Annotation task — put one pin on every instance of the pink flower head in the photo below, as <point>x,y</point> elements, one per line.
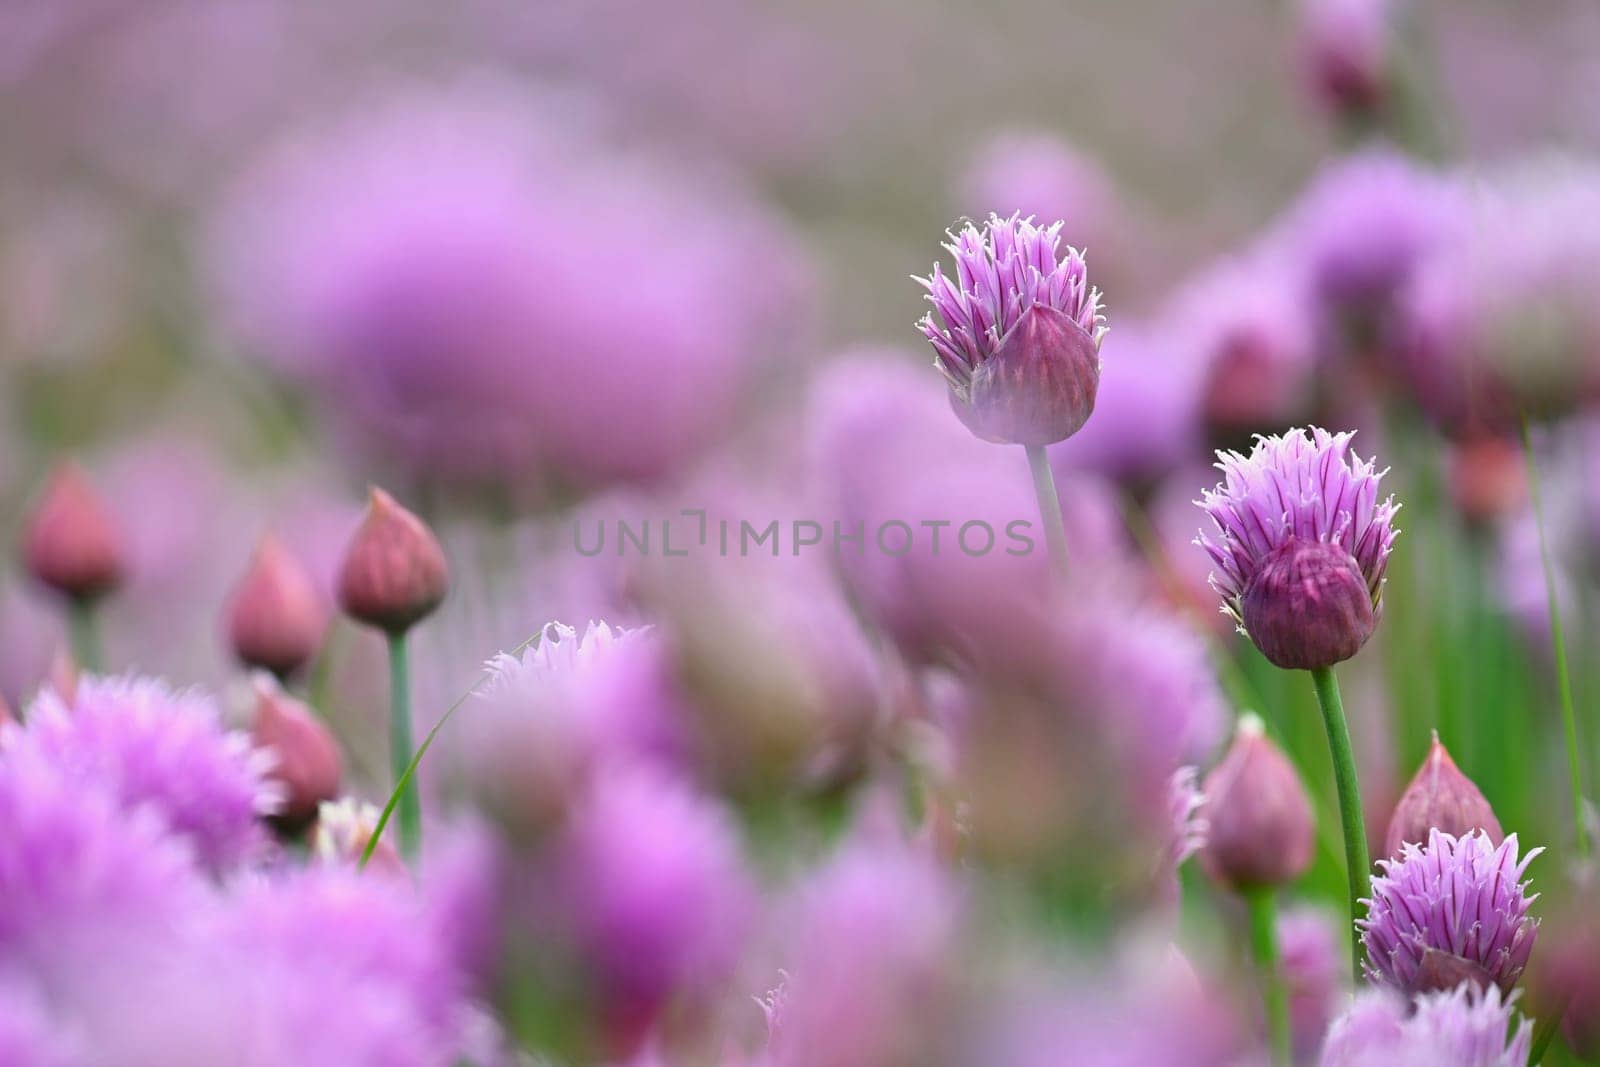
<point>1301,545</point>
<point>162,750</point>
<point>1453,911</point>
<point>1017,332</point>
<point>1461,1027</point>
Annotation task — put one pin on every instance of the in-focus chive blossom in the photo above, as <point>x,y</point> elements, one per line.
<point>1016,332</point>
<point>1453,911</point>
<point>1301,546</point>
<point>1300,549</point>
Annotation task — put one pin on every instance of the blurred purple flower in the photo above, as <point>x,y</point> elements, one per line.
<point>566,706</point>
<point>868,944</point>
<point>1301,542</point>
<point>158,750</point>
<point>1017,332</point>
<point>29,1034</point>
<point>1037,173</point>
<point>1365,223</point>
<point>442,271</point>
<point>652,891</point>
<point>1452,912</point>
<point>1346,51</point>
<point>1460,1027</point>
<point>1314,963</point>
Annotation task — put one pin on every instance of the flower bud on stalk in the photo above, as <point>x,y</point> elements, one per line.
<point>1262,828</point>
<point>306,764</point>
<point>1440,797</point>
<point>72,544</point>
<point>276,619</point>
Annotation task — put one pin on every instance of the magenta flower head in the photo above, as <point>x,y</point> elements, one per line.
<point>1301,546</point>
<point>165,751</point>
<point>1461,1027</point>
<point>1454,911</point>
<point>1017,331</point>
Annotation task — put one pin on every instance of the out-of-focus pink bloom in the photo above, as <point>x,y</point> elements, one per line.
<point>1016,332</point>
<point>1347,53</point>
<point>30,1036</point>
<point>1488,478</point>
<point>551,716</point>
<point>1248,326</point>
<point>159,750</point>
<point>1459,1027</point>
<point>652,893</point>
<point>1146,414</point>
<point>1301,546</point>
<point>344,829</point>
<point>1499,321</point>
<point>443,272</point>
<point>874,424</point>
<point>1038,173</point>
<point>866,962</point>
<point>1364,224</point>
<point>1450,912</point>
<point>1313,960</point>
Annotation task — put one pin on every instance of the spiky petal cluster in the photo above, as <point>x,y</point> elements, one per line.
<point>1453,911</point>
<point>1017,331</point>
<point>1301,538</point>
<point>158,749</point>
<point>1461,1027</point>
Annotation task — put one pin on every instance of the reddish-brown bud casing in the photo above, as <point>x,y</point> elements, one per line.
<point>71,544</point>
<point>277,618</point>
<point>1439,797</point>
<point>394,571</point>
<point>1261,826</point>
<point>308,765</point>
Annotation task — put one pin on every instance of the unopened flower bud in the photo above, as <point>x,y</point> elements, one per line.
<point>306,763</point>
<point>71,544</point>
<point>1039,386</point>
<point>394,571</point>
<point>1441,798</point>
<point>1262,830</point>
<point>1308,606</point>
<point>277,618</point>
<point>1346,48</point>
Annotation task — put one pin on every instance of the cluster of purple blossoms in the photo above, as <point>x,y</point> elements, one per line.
<point>1453,912</point>
<point>1017,331</point>
<point>1301,546</point>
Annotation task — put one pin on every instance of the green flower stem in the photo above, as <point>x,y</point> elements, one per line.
<point>400,745</point>
<point>1558,641</point>
<point>1044,487</point>
<point>1357,864</point>
<point>1263,906</point>
<point>84,634</point>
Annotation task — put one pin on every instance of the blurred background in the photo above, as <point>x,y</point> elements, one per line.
<point>531,267</point>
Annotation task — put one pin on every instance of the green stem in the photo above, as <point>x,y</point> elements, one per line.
<point>1357,864</point>
<point>84,634</point>
<point>1263,906</point>
<point>1569,722</point>
<point>1044,487</point>
<point>400,744</point>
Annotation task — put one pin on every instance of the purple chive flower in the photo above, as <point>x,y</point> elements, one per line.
<point>1301,546</point>
<point>1314,963</point>
<point>1017,332</point>
<point>1460,1027</point>
<point>567,705</point>
<point>1453,911</point>
<point>652,893</point>
<point>160,750</point>
<point>30,1035</point>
